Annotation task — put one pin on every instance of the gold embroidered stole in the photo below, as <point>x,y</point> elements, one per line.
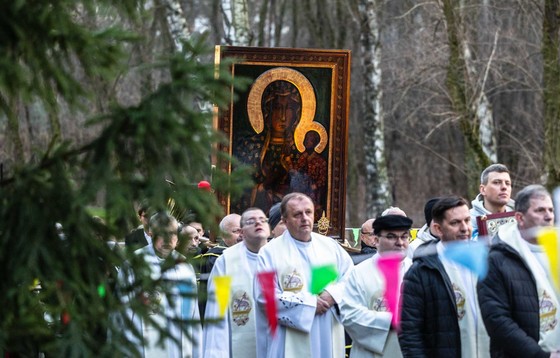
<point>468,311</point>
<point>292,278</point>
<point>242,307</point>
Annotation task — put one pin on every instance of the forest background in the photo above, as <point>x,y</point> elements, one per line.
<point>439,89</point>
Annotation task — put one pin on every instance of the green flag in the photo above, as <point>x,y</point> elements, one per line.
<point>321,276</point>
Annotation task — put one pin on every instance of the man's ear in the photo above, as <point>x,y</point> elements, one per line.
<point>437,229</point>
<point>520,219</point>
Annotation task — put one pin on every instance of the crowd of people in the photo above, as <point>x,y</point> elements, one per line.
<point>446,310</point>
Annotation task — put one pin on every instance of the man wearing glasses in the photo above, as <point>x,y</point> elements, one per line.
<point>367,237</point>
<point>363,309</point>
<point>440,311</point>
<point>235,335</point>
<point>367,243</point>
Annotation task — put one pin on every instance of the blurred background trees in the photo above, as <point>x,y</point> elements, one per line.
<point>439,88</point>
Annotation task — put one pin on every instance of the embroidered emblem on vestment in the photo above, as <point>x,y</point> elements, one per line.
<point>547,313</point>
<point>241,308</point>
<point>459,301</point>
<point>292,281</point>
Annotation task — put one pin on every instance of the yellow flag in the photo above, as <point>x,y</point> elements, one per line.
<point>548,239</point>
<point>223,292</point>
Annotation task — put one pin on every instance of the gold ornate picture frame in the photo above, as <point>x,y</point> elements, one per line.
<point>488,225</point>
<point>291,127</point>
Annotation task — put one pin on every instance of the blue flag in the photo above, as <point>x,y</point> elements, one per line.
<point>471,254</point>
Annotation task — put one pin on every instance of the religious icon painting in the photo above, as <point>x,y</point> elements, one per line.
<point>488,224</point>
<point>290,126</point>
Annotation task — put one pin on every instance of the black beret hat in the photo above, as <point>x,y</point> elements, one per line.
<point>274,216</point>
<point>389,222</point>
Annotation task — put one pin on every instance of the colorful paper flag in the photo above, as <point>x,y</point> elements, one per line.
<point>321,276</point>
<point>187,291</point>
<point>101,290</point>
<point>266,281</point>
<point>470,254</point>
<point>390,265</point>
<point>548,239</point>
<point>356,233</point>
<point>223,292</point>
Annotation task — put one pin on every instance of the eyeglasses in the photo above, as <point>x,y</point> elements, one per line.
<point>250,222</point>
<point>367,233</point>
<point>393,237</point>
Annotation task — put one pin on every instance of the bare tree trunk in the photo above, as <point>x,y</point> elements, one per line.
<point>314,22</point>
<point>216,21</point>
<point>476,80</point>
<point>551,78</point>
<point>295,24</point>
<point>13,130</point>
<point>237,29</point>
<point>377,192</point>
<point>341,21</point>
<point>177,23</point>
<point>279,22</point>
<point>261,40</point>
<point>483,109</point>
<point>460,91</point>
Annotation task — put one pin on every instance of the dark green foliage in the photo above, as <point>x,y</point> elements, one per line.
<point>141,149</point>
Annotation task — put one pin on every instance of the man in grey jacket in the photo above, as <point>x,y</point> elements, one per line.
<point>495,194</point>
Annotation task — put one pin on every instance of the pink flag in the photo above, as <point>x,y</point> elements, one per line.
<point>266,280</point>
<point>389,265</point>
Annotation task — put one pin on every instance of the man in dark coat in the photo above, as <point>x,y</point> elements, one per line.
<point>440,315</point>
<point>518,301</point>
<point>139,237</point>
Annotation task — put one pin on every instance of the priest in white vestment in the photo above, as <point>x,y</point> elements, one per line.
<point>308,324</point>
<point>363,309</point>
<point>166,310</point>
<point>235,335</point>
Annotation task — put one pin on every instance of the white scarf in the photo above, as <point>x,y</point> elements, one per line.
<point>242,308</point>
<point>549,314</point>
<point>463,283</point>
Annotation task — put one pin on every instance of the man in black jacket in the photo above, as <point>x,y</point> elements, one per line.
<point>519,304</point>
<point>440,314</point>
<point>139,237</point>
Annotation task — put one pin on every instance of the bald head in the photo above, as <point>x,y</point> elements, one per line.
<point>189,239</point>
<point>230,229</point>
<point>366,233</point>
